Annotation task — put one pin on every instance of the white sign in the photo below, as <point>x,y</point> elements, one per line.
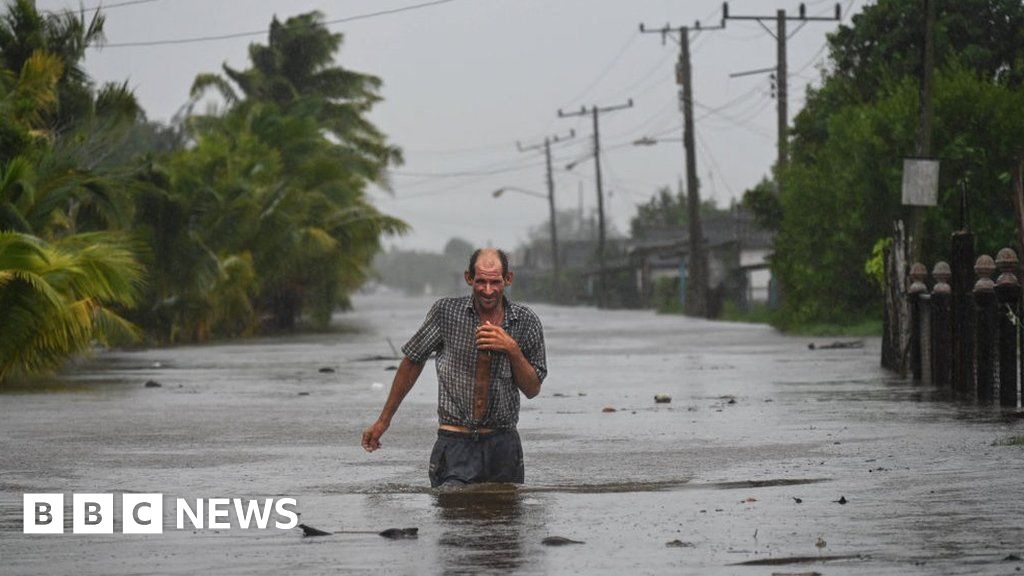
<point>920,182</point>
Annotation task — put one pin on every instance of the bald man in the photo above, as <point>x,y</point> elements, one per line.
<point>488,351</point>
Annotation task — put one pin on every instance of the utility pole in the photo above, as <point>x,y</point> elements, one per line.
<point>696,301</point>
<point>924,124</point>
<point>781,68</point>
<point>555,265</point>
<point>595,111</point>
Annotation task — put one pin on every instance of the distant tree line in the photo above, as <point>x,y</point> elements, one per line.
<point>417,272</point>
<point>249,217</point>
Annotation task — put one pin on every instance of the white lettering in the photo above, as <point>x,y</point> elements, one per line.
<point>253,510</point>
<point>218,509</point>
<point>290,514</point>
<point>195,517</point>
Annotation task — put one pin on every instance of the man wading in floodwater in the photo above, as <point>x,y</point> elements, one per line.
<point>488,350</point>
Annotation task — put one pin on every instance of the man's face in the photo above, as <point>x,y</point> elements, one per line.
<point>488,284</point>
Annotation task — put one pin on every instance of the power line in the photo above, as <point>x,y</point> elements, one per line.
<point>464,173</point>
<point>608,68</point>
<point>114,5</point>
<point>262,32</point>
<point>714,163</point>
<point>635,87</point>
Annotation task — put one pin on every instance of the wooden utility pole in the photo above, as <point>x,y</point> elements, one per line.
<point>696,300</point>
<point>595,112</point>
<point>555,264</point>
<point>924,123</point>
<point>782,70</point>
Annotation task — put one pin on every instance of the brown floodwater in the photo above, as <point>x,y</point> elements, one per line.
<point>756,421</point>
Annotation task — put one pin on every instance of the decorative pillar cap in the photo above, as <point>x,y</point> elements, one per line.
<point>1006,260</point>
<point>985,266</point>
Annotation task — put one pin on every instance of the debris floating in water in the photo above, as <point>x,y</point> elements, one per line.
<point>310,531</point>
<point>400,533</point>
<point>390,533</point>
<point>837,345</point>
<point>608,409</point>
<point>797,500</point>
<point>153,384</point>
<point>377,386</point>
<point>662,398</point>
<point>559,541</point>
<point>327,370</point>
<point>679,544</point>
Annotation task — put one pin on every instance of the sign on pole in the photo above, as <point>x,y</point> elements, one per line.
<point>920,182</point>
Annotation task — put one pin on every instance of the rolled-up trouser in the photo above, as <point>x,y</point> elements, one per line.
<point>467,458</point>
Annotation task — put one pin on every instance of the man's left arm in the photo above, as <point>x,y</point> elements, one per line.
<point>525,375</point>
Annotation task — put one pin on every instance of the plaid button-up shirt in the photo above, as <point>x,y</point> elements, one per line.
<point>450,331</point>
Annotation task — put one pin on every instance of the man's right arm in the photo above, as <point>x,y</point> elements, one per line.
<point>406,376</point>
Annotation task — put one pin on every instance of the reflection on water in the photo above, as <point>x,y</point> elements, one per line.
<point>484,527</point>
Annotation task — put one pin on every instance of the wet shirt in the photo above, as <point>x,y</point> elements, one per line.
<point>450,331</point>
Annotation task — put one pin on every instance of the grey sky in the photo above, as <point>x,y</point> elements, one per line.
<point>463,81</point>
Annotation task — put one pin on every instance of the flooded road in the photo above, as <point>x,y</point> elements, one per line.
<point>756,422</point>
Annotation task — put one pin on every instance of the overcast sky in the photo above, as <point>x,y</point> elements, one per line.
<point>465,79</point>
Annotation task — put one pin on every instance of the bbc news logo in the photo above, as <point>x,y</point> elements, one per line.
<point>144,513</point>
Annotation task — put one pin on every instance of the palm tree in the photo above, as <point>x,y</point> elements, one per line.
<point>296,69</point>
<point>57,299</point>
<point>60,288</point>
<point>281,174</point>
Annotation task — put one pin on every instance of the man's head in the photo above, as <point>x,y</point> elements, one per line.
<point>488,274</point>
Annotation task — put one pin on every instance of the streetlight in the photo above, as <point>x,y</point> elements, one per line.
<point>555,268</point>
<point>650,141</point>
<point>502,190</point>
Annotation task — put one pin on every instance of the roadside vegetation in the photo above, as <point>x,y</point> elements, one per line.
<point>248,217</point>
<point>842,189</point>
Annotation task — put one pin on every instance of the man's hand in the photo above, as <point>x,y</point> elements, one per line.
<point>491,337</point>
<point>371,436</point>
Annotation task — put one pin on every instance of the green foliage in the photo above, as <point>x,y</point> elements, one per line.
<point>665,211</point>
<point>841,190</point>
<point>416,273</point>
<point>666,298</point>
<point>58,298</point>
<point>65,273</point>
<point>875,266</point>
<point>763,202</point>
<point>1010,441</point>
<point>757,313</point>
<point>251,217</point>
<point>265,211</point>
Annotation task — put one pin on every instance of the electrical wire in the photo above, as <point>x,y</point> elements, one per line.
<point>608,68</point>
<point>717,169</point>
<point>113,5</point>
<point>262,32</point>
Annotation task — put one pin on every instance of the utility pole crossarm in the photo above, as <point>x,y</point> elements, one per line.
<point>801,15</point>
<point>781,69</point>
<point>548,139</point>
